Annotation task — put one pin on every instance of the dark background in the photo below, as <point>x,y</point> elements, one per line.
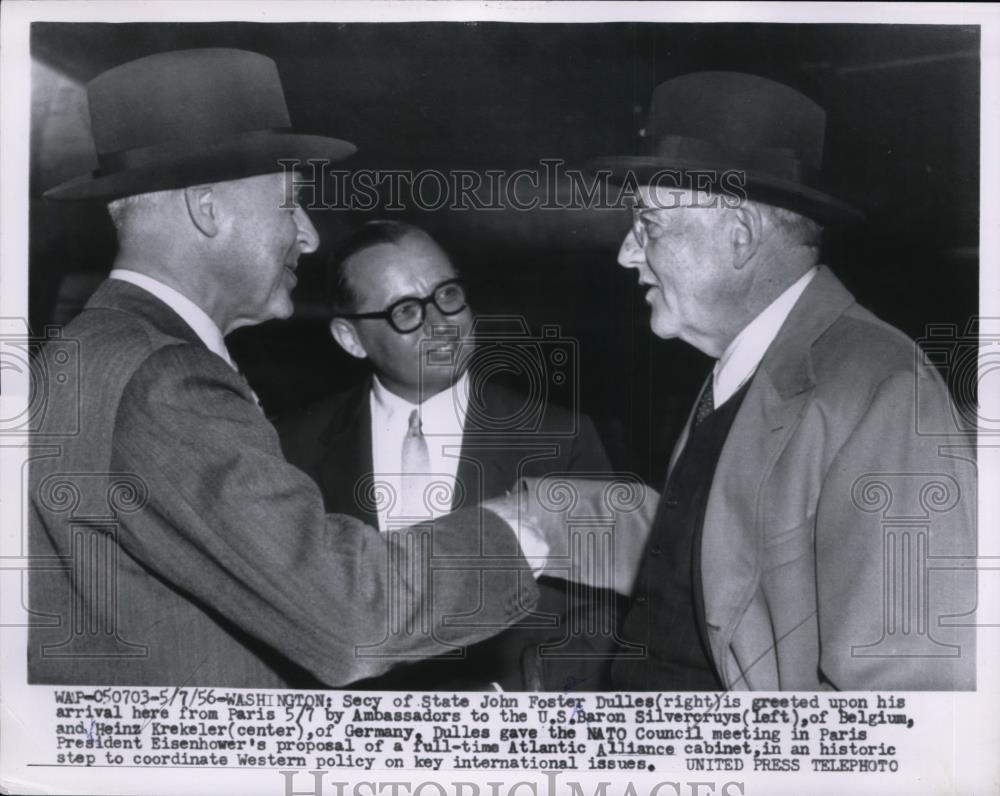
<point>902,144</point>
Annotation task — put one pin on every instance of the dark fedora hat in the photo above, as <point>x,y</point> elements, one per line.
<point>736,130</point>
<point>187,117</point>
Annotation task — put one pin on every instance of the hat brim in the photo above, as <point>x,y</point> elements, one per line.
<point>213,163</point>
<point>803,199</point>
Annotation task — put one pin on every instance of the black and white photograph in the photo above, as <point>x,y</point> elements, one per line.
<point>598,396</point>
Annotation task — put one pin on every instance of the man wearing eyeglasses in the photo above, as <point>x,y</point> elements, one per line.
<point>401,435</point>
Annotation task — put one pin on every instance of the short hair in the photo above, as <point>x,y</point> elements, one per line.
<point>122,209</point>
<point>340,292</point>
<point>798,228</point>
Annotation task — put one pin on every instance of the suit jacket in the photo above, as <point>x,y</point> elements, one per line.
<point>174,545</point>
<point>332,442</point>
<point>837,518</point>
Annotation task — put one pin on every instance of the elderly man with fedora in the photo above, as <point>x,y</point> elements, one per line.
<point>174,543</point>
<point>804,502</point>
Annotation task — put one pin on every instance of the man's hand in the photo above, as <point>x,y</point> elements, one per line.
<point>593,530</point>
<point>530,536</point>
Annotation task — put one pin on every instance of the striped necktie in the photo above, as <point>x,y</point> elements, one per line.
<point>706,404</point>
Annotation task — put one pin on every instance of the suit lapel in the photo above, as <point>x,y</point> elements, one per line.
<point>774,404</point>
<point>345,468</point>
<point>489,462</point>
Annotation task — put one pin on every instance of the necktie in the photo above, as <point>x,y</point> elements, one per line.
<point>706,404</point>
<point>416,466</point>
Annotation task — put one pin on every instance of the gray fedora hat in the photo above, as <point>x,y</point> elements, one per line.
<point>761,133</point>
<point>186,117</point>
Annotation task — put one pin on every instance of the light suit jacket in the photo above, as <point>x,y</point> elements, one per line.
<point>840,517</point>
<point>172,544</point>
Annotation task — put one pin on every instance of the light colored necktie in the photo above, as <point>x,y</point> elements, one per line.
<point>416,467</point>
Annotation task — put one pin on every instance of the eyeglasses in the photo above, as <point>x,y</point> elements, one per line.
<point>642,222</point>
<point>407,315</point>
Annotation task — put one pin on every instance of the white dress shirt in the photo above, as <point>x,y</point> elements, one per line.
<point>442,421</point>
<point>193,315</point>
<point>746,351</point>
<point>742,356</point>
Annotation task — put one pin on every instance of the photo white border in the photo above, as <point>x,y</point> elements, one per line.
<point>962,752</point>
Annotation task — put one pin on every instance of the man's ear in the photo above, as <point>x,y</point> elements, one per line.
<point>202,210</point>
<point>346,335</point>
<point>747,229</point>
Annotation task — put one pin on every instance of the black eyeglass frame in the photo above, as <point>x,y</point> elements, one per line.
<point>386,314</point>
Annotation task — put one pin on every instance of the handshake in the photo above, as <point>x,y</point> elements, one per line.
<point>589,531</point>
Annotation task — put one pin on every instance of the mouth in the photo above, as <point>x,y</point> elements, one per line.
<point>649,291</point>
<point>290,270</point>
<point>443,348</point>
<point>444,339</point>
<point>442,354</point>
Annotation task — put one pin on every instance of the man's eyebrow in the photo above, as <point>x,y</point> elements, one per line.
<point>393,298</point>
<point>417,297</point>
<point>396,297</point>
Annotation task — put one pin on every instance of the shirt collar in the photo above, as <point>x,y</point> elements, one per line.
<point>742,356</point>
<point>452,402</point>
<point>193,315</point>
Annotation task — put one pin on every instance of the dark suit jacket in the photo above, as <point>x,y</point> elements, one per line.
<point>332,442</point>
<point>176,546</point>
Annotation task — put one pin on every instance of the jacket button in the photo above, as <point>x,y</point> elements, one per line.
<point>655,550</point>
<point>640,600</point>
<point>670,500</point>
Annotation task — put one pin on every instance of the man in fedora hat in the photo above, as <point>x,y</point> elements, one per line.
<point>804,501</point>
<point>179,546</point>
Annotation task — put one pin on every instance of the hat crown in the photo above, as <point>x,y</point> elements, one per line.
<point>190,117</point>
<point>191,96</point>
<point>739,111</point>
<point>738,134</point>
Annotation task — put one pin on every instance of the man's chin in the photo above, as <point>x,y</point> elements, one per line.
<point>281,309</point>
<point>661,326</point>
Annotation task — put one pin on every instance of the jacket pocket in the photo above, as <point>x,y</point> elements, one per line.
<point>789,545</point>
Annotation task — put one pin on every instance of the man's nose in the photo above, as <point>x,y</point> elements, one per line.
<point>631,254</point>
<point>433,317</point>
<point>439,325</point>
<point>308,238</point>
